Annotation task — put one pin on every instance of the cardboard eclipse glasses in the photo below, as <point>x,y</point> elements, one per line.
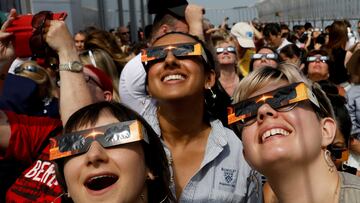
<point>158,53</point>
<point>272,56</point>
<point>244,112</point>
<point>108,136</point>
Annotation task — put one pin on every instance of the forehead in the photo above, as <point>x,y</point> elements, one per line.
<point>269,86</point>
<point>79,36</point>
<point>105,118</point>
<point>173,39</point>
<point>265,51</point>
<point>225,44</point>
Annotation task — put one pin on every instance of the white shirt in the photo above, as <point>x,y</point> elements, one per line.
<point>283,43</point>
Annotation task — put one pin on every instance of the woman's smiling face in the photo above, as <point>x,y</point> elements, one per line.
<point>116,174</point>
<point>178,77</point>
<point>278,138</point>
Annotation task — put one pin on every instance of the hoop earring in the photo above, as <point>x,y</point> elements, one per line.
<point>213,95</point>
<point>329,162</point>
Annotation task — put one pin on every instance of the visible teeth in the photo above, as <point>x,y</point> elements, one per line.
<point>174,77</point>
<point>274,131</point>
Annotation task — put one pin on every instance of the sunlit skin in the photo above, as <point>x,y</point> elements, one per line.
<point>299,146</point>
<point>190,68</point>
<point>79,42</point>
<point>180,104</point>
<point>126,162</point>
<point>318,70</point>
<point>263,61</point>
<point>226,58</point>
<point>227,66</point>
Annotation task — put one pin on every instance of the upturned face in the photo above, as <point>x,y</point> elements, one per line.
<point>115,174</point>
<point>173,77</point>
<point>277,139</point>
<point>226,57</point>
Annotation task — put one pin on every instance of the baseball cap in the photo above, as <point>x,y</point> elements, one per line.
<point>161,7</point>
<point>244,34</point>
<point>104,79</point>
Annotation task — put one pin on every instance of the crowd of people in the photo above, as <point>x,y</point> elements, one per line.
<point>187,112</point>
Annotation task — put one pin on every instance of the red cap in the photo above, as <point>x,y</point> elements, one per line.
<point>105,80</point>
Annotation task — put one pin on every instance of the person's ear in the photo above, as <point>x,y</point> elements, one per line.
<point>108,95</point>
<point>328,131</point>
<point>164,29</point>
<point>210,79</point>
<point>149,175</point>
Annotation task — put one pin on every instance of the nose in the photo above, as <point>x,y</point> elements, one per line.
<point>264,59</point>
<point>171,60</point>
<point>96,154</point>
<point>266,111</point>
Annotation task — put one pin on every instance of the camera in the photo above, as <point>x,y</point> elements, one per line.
<point>22,29</point>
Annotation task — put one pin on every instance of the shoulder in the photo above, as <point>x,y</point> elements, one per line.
<point>350,180</point>
<point>229,135</point>
<point>350,188</point>
<point>353,92</point>
<point>133,69</point>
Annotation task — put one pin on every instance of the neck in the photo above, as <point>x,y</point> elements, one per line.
<point>306,183</point>
<point>227,71</point>
<point>228,79</point>
<point>181,121</point>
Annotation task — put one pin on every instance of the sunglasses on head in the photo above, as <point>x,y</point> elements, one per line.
<point>179,50</point>
<point>272,56</point>
<point>90,54</point>
<point>282,99</point>
<point>221,50</point>
<point>317,58</point>
<point>108,136</point>
<point>30,68</point>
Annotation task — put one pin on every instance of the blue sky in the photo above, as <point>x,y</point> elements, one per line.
<point>216,10</point>
<point>221,4</point>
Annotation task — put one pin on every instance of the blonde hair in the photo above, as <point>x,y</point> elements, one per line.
<point>102,60</point>
<point>40,77</point>
<point>262,77</point>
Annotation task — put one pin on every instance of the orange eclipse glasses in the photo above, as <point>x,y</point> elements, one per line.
<point>158,53</point>
<point>282,99</point>
<point>108,136</point>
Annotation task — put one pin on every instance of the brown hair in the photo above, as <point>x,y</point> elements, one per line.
<point>337,35</point>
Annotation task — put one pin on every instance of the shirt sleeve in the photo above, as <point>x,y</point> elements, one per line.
<point>132,85</point>
<point>28,135</point>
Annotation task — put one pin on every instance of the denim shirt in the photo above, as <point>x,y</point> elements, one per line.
<point>224,175</point>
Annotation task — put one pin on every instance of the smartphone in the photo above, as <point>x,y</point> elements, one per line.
<point>22,29</point>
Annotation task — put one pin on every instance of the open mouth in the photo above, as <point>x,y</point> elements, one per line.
<point>97,183</point>
<point>274,132</point>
